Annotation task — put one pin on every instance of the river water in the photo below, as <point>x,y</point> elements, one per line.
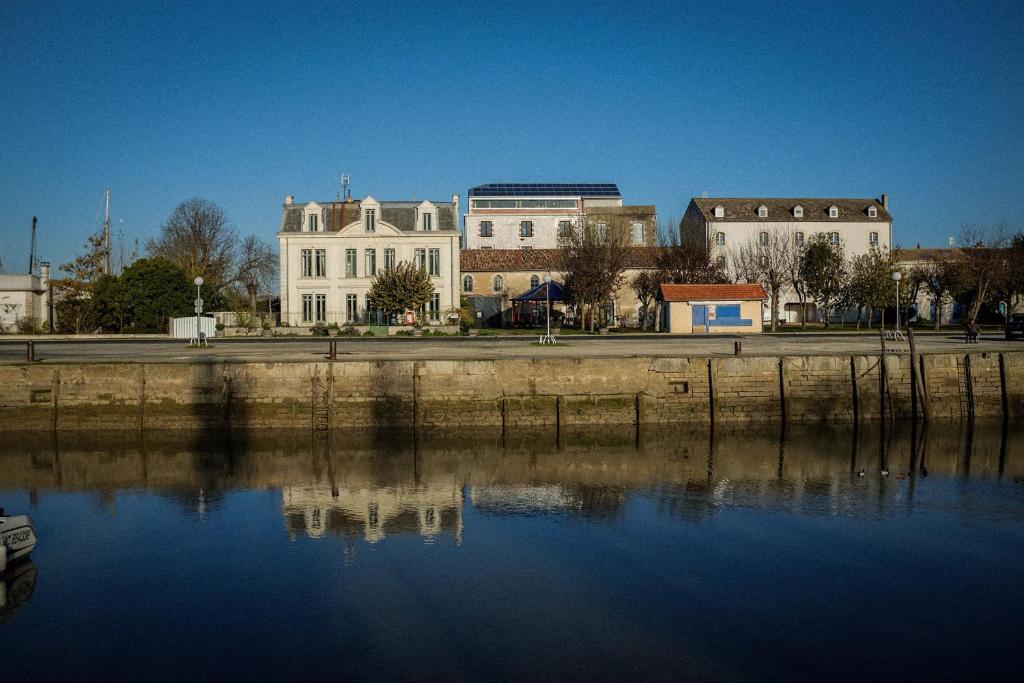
<point>608,554</point>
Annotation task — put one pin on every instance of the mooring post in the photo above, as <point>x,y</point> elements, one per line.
<point>916,370</point>
<point>881,378</point>
<point>333,354</point>
<point>30,351</point>
<point>738,348</point>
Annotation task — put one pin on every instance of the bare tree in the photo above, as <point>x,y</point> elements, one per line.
<point>822,266</point>
<point>645,285</point>
<point>689,262</point>
<point>984,259</point>
<point>767,259</point>
<point>944,280</point>
<point>593,255</point>
<point>257,266</point>
<point>198,238</point>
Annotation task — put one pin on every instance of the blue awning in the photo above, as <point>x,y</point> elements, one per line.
<point>539,293</point>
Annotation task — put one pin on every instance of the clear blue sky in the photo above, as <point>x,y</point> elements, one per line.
<point>241,104</point>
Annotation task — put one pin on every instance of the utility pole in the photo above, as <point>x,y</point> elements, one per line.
<point>32,249</point>
<point>106,237</point>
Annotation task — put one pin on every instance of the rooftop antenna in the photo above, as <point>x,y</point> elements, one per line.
<point>344,184</point>
<point>32,249</point>
<point>704,194</point>
<point>106,237</point>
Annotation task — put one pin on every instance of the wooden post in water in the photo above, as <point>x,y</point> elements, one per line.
<point>915,374</point>
<point>881,377</point>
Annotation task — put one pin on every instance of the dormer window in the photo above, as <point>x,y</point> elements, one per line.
<point>798,211</point>
<point>428,222</point>
<point>719,211</point>
<point>313,222</point>
<point>833,211</point>
<point>872,212</point>
<point>370,220</point>
<point>762,211</point>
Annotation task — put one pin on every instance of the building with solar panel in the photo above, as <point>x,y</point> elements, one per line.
<point>531,215</point>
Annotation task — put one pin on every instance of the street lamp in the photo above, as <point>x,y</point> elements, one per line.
<point>198,282</point>
<point>897,276</point>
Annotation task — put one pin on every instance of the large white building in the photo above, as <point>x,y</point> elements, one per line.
<point>25,299</point>
<point>331,252</point>
<point>532,215</point>
<point>726,224</point>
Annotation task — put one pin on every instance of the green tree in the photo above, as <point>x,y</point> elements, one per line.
<point>111,308</point>
<point>156,289</point>
<point>822,267</point>
<point>404,287</point>
<point>871,285</point>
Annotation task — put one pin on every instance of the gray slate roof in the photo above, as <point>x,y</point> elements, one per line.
<point>402,214</point>
<point>744,209</point>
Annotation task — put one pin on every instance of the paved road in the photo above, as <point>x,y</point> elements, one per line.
<point>612,346</point>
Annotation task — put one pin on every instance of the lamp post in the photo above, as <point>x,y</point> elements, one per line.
<point>198,282</point>
<point>897,276</point>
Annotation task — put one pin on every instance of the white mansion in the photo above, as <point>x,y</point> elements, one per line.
<point>331,251</point>
<point>726,224</point>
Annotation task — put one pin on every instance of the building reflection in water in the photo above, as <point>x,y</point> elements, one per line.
<point>16,587</point>
<point>370,485</point>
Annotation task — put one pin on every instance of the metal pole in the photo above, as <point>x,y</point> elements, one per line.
<point>897,304</point>
<point>547,296</point>
<point>199,339</point>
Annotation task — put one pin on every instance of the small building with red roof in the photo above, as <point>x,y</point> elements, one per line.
<point>711,309</point>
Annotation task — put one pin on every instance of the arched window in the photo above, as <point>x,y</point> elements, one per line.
<point>720,239</point>
<point>499,283</point>
<point>534,281</point>
<point>467,283</point>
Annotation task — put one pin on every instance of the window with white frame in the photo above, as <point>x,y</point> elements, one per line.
<point>499,283</point>
<point>371,262</point>
<point>467,283</point>
<point>351,308</point>
<point>720,239</point>
<point>389,258</point>
<point>371,220</point>
<point>833,212</point>
<point>428,222</point>
<point>526,229</point>
<point>420,256</point>
<point>321,263</point>
<point>719,211</point>
<point>834,237</point>
<point>307,308</point>
<point>762,239</point>
<point>434,262</point>
<point>638,233</point>
<point>313,223</point>
<point>798,211</point>
<point>762,211</point>
<point>350,263</point>
<point>798,238</point>
<point>486,229</point>
<point>602,233</point>
<point>534,281</point>
<point>307,262</point>
<point>435,306</point>
<point>873,239</point>
<point>872,212</point>
<point>565,229</point>
<point>321,308</point>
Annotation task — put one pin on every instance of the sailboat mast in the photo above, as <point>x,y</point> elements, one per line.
<point>32,249</point>
<point>106,237</point>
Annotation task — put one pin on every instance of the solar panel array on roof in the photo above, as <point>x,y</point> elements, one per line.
<point>545,190</point>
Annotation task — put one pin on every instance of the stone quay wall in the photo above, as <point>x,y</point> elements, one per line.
<point>508,393</point>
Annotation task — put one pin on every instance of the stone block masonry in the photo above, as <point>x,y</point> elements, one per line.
<point>506,394</point>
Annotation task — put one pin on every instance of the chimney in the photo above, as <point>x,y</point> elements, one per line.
<point>289,200</point>
<point>885,201</point>
<point>455,201</point>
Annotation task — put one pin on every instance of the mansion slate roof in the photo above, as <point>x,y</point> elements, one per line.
<point>402,214</point>
<point>744,209</point>
<point>533,260</point>
<point>743,292</point>
<point>928,255</point>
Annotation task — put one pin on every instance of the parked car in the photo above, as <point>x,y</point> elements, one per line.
<point>1015,326</point>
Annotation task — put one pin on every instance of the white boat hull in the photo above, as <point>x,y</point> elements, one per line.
<point>17,537</point>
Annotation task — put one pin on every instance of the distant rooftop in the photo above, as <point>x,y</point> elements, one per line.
<point>546,190</point>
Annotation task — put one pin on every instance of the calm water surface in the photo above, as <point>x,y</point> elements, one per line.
<point>609,555</point>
